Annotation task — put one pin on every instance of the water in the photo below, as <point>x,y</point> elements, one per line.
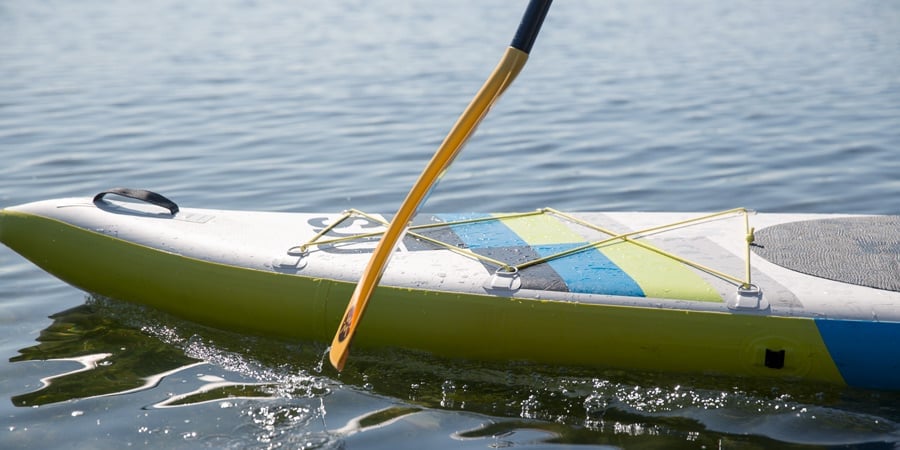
<point>302,106</point>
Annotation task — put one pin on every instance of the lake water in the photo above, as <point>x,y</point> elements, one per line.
<point>321,106</point>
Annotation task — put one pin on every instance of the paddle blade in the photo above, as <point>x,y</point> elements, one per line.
<point>340,345</point>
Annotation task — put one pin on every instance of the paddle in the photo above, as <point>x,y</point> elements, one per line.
<point>503,75</point>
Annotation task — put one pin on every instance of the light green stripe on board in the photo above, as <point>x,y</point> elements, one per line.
<point>542,229</point>
<point>657,275</point>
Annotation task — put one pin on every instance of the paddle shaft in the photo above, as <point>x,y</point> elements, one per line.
<point>503,75</point>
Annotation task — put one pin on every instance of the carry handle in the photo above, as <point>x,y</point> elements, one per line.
<point>140,194</point>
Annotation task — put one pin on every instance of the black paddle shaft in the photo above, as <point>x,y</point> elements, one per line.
<point>530,25</point>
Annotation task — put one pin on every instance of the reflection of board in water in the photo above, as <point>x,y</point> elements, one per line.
<point>108,358</point>
<point>113,359</point>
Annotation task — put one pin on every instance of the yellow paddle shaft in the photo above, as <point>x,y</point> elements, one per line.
<point>504,74</point>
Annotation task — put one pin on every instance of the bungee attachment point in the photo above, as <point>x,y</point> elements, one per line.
<point>749,297</point>
<point>505,279</point>
<point>295,260</point>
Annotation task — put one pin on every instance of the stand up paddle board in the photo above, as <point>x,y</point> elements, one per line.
<point>797,296</point>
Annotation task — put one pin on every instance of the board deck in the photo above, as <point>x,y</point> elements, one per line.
<point>857,250</point>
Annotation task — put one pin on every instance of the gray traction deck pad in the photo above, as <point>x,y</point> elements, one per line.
<point>858,250</point>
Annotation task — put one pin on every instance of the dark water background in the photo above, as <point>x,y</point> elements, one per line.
<point>322,106</point>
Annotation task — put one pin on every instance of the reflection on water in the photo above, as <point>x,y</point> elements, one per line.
<point>375,419</point>
<point>215,389</point>
<point>114,360</point>
<point>283,392</point>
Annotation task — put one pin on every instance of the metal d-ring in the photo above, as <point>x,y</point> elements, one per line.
<point>300,252</point>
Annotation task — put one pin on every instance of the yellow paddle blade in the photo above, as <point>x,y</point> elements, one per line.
<point>505,72</point>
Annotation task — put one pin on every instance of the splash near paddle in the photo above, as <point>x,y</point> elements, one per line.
<point>503,75</point>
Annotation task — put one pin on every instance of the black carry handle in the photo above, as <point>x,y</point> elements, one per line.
<point>140,194</point>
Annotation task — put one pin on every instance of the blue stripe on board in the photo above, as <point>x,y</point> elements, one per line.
<point>590,271</point>
<point>866,353</point>
<point>487,234</point>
